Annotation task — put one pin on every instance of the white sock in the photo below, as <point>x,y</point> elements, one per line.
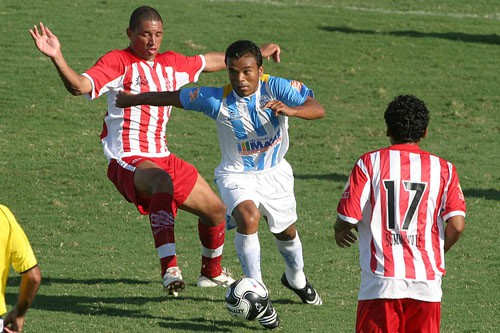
<point>292,253</point>
<point>248,250</point>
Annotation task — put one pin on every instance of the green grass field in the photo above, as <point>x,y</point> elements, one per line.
<point>96,252</point>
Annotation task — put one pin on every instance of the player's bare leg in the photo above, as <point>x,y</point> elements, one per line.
<point>247,217</point>
<point>149,178</point>
<point>203,202</point>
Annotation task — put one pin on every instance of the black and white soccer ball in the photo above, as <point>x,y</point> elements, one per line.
<point>247,299</point>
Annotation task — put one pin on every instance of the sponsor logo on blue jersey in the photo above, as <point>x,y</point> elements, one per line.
<point>260,145</point>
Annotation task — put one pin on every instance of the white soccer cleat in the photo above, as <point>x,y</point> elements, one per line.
<point>223,280</point>
<point>173,282</point>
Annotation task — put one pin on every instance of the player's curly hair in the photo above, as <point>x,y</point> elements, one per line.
<point>143,13</point>
<point>407,118</point>
<point>243,48</point>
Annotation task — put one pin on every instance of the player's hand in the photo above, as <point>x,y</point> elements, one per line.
<point>345,238</point>
<point>10,330</point>
<point>279,108</point>
<point>124,99</point>
<point>271,51</point>
<point>13,324</point>
<point>45,41</point>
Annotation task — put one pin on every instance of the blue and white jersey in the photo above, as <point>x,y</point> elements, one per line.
<point>251,137</point>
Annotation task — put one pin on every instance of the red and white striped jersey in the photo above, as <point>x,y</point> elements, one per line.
<point>401,196</point>
<point>139,130</point>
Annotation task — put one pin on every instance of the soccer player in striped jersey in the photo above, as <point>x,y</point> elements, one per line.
<point>140,165</point>
<point>254,179</point>
<point>409,210</point>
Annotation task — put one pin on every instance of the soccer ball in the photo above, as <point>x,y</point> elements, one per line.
<point>247,299</point>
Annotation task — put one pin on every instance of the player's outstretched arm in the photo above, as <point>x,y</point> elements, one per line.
<point>311,109</point>
<point>126,99</point>
<point>215,61</point>
<point>49,45</point>
<point>344,236</point>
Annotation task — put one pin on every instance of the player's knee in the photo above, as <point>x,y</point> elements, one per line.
<point>251,219</point>
<point>288,234</point>
<point>213,213</point>
<point>152,180</point>
<point>219,211</point>
<point>247,217</point>
<point>161,182</point>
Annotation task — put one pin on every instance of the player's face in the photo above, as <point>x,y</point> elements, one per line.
<point>145,41</point>
<point>244,75</point>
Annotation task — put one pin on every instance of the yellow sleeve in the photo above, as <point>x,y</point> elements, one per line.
<point>22,257</point>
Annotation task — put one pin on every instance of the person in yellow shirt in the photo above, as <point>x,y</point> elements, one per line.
<point>16,250</point>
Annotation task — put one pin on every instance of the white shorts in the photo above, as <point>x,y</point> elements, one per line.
<point>271,191</point>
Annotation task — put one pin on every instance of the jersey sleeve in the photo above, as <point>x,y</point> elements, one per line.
<point>105,74</point>
<point>290,92</point>
<point>355,195</point>
<point>21,253</point>
<point>202,99</point>
<point>455,200</point>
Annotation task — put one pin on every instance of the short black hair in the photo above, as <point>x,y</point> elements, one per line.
<point>143,13</point>
<point>407,119</point>
<point>242,48</point>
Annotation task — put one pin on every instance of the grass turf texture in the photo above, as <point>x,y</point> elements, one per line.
<point>96,253</point>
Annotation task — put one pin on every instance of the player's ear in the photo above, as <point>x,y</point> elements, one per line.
<point>389,134</point>
<point>261,70</point>
<point>129,33</point>
<point>425,134</point>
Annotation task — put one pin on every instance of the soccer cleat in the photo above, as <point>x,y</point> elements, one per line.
<point>173,282</point>
<point>307,294</point>
<point>270,319</point>
<point>223,280</point>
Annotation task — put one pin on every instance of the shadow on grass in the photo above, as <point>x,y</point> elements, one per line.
<point>489,194</point>
<point>114,307</point>
<point>103,306</point>
<point>86,305</point>
<point>492,39</point>
<point>335,177</point>
<point>48,281</point>
<point>204,325</point>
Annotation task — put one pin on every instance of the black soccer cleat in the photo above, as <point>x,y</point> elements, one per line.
<point>270,319</point>
<point>308,294</point>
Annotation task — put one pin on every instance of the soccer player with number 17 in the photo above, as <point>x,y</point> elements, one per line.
<point>409,209</point>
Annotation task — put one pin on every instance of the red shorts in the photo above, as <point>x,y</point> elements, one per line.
<point>398,316</point>
<point>182,173</point>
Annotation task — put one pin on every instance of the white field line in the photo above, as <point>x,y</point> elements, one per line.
<point>493,16</point>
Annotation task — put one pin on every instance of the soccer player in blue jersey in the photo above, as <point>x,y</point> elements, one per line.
<point>253,178</point>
